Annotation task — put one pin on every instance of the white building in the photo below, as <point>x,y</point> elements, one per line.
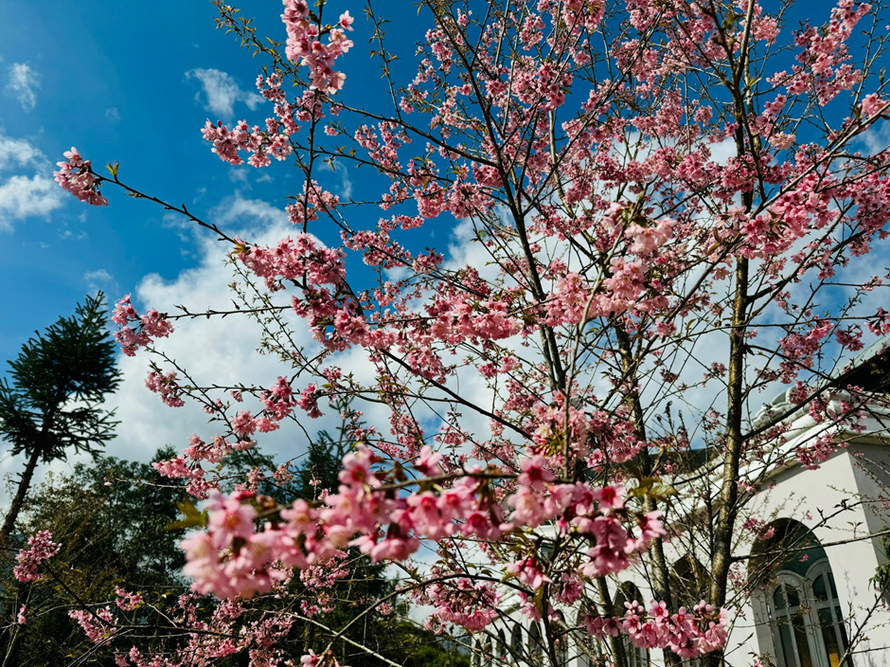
<point>809,603</point>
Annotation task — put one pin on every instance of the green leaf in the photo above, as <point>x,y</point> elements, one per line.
<point>193,517</point>
<point>662,491</point>
<point>539,599</point>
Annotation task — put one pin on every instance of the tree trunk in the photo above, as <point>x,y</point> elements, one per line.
<point>19,499</point>
<point>11,640</point>
<point>615,643</point>
<point>729,490</point>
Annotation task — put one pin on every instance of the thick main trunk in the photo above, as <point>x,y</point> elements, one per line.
<point>19,499</point>
<point>728,496</point>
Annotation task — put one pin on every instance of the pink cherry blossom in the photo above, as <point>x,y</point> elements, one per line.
<point>28,561</point>
<point>77,177</point>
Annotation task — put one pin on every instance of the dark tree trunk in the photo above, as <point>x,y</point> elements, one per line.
<point>19,499</point>
<point>10,641</point>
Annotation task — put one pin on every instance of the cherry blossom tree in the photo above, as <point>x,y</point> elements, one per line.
<point>673,211</point>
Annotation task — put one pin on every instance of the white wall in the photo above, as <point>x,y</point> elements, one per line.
<point>851,487</point>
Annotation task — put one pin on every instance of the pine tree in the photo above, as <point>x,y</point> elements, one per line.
<point>51,403</point>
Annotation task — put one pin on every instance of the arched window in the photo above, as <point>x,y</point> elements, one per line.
<point>827,608</point>
<point>535,646</point>
<point>787,605</point>
<point>516,641</point>
<point>689,585</point>
<point>805,618</point>
<point>628,592</point>
<point>501,653</point>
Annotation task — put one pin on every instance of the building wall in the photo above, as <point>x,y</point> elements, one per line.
<point>807,496</point>
<point>851,487</point>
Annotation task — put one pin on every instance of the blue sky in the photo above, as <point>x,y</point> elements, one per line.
<point>135,85</point>
<point>114,85</point>
<point>132,85</point>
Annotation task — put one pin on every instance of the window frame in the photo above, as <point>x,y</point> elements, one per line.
<point>808,611</point>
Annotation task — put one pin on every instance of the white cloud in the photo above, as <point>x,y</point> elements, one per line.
<point>21,195</point>
<point>877,138</point>
<point>99,274</point>
<point>182,227</point>
<point>237,175</point>
<point>112,115</point>
<point>24,197</point>
<point>69,235</point>
<point>345,182</point>
<point>22,84</point>
<point>221,351</point>
<point>18,152</point>
<point>214,351</point>
<point>100,279</point>
<point>221,92</point>
<point>237,209</point>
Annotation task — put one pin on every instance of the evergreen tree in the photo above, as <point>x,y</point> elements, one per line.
<point>53,403</point>
<point>112,521</point>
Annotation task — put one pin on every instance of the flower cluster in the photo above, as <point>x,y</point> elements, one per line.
<point>688,634</point>
<point>596,513</point>
<point>314,200</point>
<point>244,568</point>
<point>165,385</point>
<point>825,67</point>
<point>77,177</point>
<point>226,630</point>
<point>272,139</point>
<point>96,624</point>
<point>319,581</point>
<point>127,601</point>
<point>179,468</point>
<point>293,259</point>
<point>242,137</point>
<point>40,547</point>
<point>472,605</point>
<point>147,327</point>
<point>305,47</point>
<point>232,559</point>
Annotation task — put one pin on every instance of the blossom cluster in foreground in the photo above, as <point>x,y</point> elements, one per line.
<point>28,561</point>
<point>688,633</point>
<point>231,559</point>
